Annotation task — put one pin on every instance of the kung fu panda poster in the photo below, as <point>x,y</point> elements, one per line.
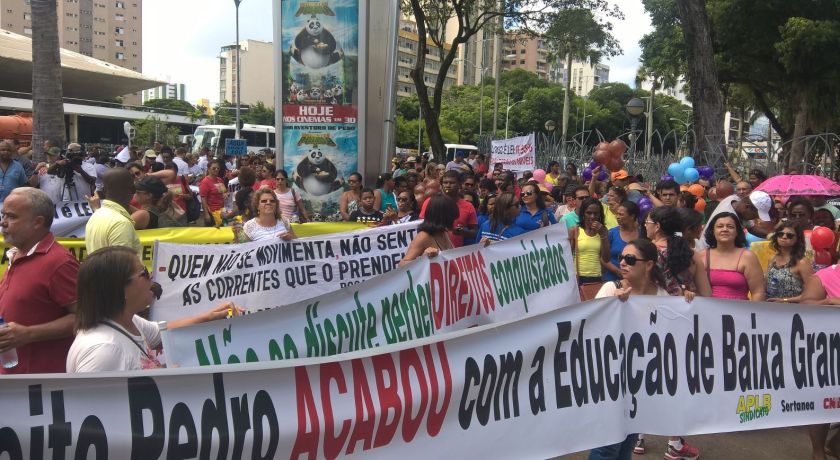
<point>320,101</point>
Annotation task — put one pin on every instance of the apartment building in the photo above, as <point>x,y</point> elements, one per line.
<point>407,43</point>
<point>108,30</point>
<point>167,91</point>
<point>256,59</point>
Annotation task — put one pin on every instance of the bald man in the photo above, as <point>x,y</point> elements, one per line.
<point>111,224</point>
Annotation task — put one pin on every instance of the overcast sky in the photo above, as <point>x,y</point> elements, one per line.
<point>182,39</point>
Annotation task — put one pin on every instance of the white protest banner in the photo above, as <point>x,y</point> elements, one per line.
<point>542,386</point>
<point>69,219</point>
<point>516,153</point>
<point>268,274</point>
<point>457,289</point>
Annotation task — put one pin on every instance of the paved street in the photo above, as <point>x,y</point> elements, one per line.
<point>777,444</point>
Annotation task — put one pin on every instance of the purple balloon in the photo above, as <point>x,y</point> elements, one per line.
<point>644,210</point>
<point>602,175</point>
<point>587,174</point>
<point>666,177</point>
<point>593,164</point>
<point>645,201</point>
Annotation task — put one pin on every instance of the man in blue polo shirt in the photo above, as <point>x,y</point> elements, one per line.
<point>12,175</point>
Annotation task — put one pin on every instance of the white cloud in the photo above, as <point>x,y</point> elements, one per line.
<point>182,39</point>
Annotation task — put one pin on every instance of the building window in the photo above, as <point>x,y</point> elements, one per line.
<point>120,56</point>
<point>119,30</point>
<point>119,17</point>
<point>27,16</point>
<point>522,61</point>
<point>120,4</point>
<point>119,43</point>
<point>27,30</point>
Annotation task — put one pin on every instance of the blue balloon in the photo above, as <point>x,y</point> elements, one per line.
<point>675,169</point>
<point>687,162</point>
<point>680,178</point>
<point>691,175</point>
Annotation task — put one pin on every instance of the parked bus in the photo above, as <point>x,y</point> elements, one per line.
<point>213,137</point>
<point>452,148</point>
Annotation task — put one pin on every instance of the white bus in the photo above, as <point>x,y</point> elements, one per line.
<point>213,137</point>
<point>452,148</point>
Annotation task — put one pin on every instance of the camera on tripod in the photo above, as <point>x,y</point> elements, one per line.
<point>73,160</point>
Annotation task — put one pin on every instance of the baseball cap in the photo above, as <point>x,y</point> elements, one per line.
<point>150,154</point>
<point>411,159</point>
<point>459,153</point>
<point>763,203</point>
<point>151,184</point>
<point>73,146</point>
<point>618,175</point>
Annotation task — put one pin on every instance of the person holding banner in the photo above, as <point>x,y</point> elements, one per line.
<point>433,234</point>
<point>788,268</point>
<point>501,222</point>
<point>734,272</point>
<point>268,222</point>
<point>114,286</point>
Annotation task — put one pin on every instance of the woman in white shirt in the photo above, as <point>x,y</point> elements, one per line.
<point>268,223</point>
<point>113,286</point>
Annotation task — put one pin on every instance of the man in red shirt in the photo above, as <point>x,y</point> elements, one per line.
<point>466,225</point>
<point>38,292</point>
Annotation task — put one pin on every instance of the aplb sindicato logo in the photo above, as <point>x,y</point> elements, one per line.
<point>751,407</point>
<point>831,403</point>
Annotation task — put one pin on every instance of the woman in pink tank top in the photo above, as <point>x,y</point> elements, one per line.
<point>734,272</point>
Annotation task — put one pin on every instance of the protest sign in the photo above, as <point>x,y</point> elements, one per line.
<point>268,274</point>
<point>516,153</point>
<point>542,386</point>
<point>198,235</point>
<point>457,289</point>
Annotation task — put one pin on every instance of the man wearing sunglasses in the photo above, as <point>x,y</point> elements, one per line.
<point>38,292</point>
<point>571,219</point>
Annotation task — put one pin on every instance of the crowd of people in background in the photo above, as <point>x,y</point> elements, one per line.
<point>627,236</point>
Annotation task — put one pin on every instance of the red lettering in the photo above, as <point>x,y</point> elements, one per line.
<point>410,359</point>
<point>306,441</point>
<point>365,412</point>
<point>332,444</point>
<point>438,293</point>
<point>389,399</point>
<point>434,421</point>
<point>452,279</point>
<point>489,299</point>
<point>461,301</point>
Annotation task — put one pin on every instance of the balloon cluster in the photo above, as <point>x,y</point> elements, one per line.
<point>685,172</point>
<point>645,205</point>
<point>608,155</point>
<point>821,239</point>
<point>539,176</point>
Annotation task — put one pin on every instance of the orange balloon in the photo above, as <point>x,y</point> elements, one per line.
<point>616,164</point>
<point>700,206</point>
<point>602,157</point>
<point>697,190</point>
<point>602,146</point>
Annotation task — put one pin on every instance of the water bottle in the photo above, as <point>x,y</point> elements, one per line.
<point>773,287</point>
<point>8,358</point>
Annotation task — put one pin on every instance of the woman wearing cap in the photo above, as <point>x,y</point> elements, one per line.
<point>533,214</point>
<point>157,210</point>
<point>268,222</point>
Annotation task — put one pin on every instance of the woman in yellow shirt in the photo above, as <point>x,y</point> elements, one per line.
<point>589,241</point>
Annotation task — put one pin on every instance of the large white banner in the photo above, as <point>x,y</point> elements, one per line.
<point>457,289</point>
<point>538,387</point>
<point>70,218</point>
<point>515,153</point>
<point>262,275</point>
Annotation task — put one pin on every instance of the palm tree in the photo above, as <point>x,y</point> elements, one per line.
<point>47,105</point>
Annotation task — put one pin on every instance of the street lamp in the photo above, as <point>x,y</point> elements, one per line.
<point>238,68</point>
<point>635,107</point>
<point>507,112</point>
<point>481,98</point>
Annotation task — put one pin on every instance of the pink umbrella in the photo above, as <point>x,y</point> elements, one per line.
<point>793,185</point>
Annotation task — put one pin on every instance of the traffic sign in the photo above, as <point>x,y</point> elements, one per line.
<point>236,147</point>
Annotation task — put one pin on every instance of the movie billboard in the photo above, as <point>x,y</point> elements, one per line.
<point>320,43</point>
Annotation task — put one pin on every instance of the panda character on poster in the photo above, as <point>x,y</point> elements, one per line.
<point>315,46</point>
<point>315,173</point>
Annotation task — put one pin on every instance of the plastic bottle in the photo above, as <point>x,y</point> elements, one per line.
<point>8,358</point>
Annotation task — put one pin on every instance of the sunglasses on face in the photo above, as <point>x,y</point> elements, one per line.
<point>581,198</point>
<point>267,201</point>
<point>524,194</point>
<point>630,259</point>
<point>787,235</point>
<point>402,199</point>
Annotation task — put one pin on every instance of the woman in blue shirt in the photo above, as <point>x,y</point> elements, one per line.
<point>502,222</point>
<point>627,216</point>
<point>533,214</point>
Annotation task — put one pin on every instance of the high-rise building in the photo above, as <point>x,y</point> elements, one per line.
<point>407,43</point>
<point>256,59</point>
<point>111,31</point>
<point>167,91</point>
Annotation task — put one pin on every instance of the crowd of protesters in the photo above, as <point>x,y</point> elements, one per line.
<point>627,237</point>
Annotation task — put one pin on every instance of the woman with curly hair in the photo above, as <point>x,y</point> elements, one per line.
<point>683,268</point>
<point>788,268</point>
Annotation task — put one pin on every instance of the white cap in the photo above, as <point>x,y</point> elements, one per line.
<point>763,203</point>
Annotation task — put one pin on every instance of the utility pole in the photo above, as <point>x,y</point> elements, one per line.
<point>497,71</point>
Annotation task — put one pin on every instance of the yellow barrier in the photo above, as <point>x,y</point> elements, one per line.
<point>197,235</point>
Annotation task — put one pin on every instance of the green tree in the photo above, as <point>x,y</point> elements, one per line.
<point>466,18</point>
<point>170,104</point>
<point>47,103</point>
<point>151,128</point>
<point>259,114</point>
<point>577,34</point>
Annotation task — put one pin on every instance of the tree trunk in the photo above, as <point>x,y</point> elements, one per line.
<point>566,99</point>
<point>47,104</point>
<point>800,129</point>
<point>705,94</point>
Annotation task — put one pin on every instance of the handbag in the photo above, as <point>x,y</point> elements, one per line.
<point>587,291</point>
<point>193,210</point>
